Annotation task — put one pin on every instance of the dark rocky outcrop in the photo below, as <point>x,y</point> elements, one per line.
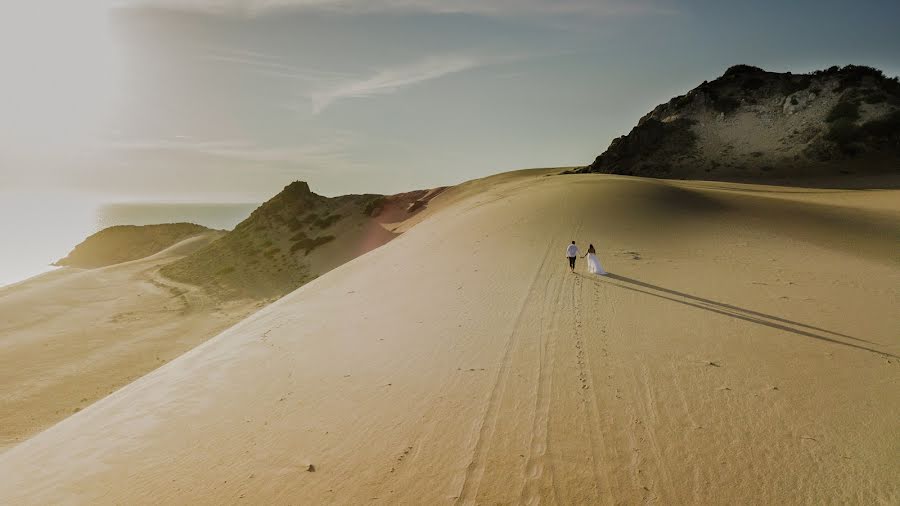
<point>750,124</point>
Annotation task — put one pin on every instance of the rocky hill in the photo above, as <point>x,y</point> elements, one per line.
<point>750,124</point>
<point>124,243</point>
<point>293,238</point>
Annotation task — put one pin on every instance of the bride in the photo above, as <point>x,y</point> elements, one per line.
<point>594,266</point>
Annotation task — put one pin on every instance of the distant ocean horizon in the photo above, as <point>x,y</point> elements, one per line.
<point>37,230</point>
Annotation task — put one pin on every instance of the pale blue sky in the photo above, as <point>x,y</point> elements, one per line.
<point>224,99</point>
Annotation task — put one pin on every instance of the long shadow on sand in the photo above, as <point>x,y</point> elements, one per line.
<point>737,312</point>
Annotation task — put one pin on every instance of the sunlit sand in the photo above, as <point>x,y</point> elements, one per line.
<point>72,336</point>
<point>744,348</point>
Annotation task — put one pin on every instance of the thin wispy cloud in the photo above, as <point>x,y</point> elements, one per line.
<point>391,80</point>
<point>270,65</point>
<point>478,7</point>
<point>325,153</point>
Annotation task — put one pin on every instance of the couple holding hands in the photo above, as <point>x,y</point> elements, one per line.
<point>594,266</point>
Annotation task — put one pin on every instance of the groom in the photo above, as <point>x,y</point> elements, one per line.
<point>572,254</point>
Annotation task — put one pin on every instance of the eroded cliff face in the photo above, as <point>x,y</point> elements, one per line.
<point>750,123</point>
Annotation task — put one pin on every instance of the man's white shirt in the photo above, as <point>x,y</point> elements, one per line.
<point>572,251</point>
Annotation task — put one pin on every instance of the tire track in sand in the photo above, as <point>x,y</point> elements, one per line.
<point>649,413</point>
<point>476,466</point>
<point>540,431</point>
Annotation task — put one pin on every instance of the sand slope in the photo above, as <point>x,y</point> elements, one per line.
<point>745,351</point>
<point>70,337</point>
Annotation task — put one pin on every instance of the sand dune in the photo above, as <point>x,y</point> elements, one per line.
<point>745,350</point>
<point>124,243</point>
<point>73,336</point>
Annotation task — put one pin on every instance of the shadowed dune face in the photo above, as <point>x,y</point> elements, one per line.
<point>728,359</point>
<point>635,201</point>
<point>855,231</point>
<point>675,207</point>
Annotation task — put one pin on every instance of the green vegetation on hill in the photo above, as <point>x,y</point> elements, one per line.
<point>844,110</point>
<point>286,242</point>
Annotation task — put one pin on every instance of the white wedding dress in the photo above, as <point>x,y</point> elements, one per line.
<point>594,266</point>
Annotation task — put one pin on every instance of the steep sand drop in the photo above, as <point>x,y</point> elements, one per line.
<point>745,350</point>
